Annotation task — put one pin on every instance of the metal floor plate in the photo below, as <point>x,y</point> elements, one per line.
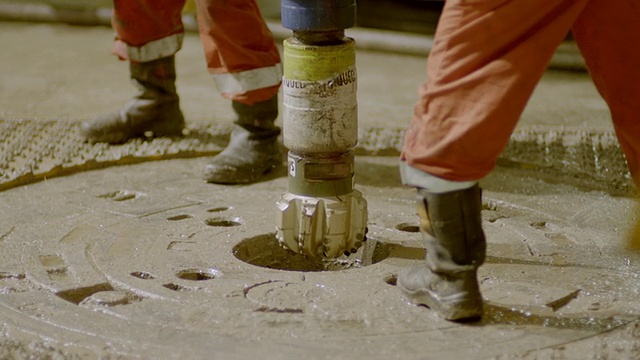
<point>148,260</point>
<point>33,150</point>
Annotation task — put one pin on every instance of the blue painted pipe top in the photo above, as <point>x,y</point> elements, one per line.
<point>318,15</point>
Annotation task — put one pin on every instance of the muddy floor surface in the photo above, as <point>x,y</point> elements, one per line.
<point>148,261</point>
<point>124,253</point>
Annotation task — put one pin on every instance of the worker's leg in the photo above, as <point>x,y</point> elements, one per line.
<point>607,34</point>
<point>486,61</point>
<point>147,29</point>
<point>245,64</point>
<point>149,33</point>
<point>239,50</point>
<point>487,58</point>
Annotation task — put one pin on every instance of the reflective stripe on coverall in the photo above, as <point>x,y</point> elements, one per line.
<point>487,58</point>
<point>238,46</point>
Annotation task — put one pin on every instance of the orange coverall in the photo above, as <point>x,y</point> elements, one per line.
<point>487,58</point>
<point>238,46</point>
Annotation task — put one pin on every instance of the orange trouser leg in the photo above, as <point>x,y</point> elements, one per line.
<point>138,22</point>
<point>239,49</point>
<point>487,58</point>
<point>607,33</point>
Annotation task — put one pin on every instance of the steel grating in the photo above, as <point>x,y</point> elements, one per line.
<point>32,150</point>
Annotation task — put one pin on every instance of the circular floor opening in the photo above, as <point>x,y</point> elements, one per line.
<point>264,251</point>
<point>408,227</point>
<point>197,274</point>
<point>221,222</point>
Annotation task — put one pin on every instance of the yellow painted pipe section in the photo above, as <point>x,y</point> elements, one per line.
<point>317,63</point>
<point>190,7</point>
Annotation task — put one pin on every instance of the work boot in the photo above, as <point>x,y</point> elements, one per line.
<point>253,149</point>
<point>451,227</point>
<point>154,111</point>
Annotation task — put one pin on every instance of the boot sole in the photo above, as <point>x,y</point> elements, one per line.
<point>223,176</point>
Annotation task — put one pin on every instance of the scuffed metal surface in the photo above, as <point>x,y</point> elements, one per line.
<point>148,261</point>
<point>584,158</point>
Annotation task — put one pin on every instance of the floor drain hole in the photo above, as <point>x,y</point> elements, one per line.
<point>142,275</point>
<point>407,227</point>
<point>391,279</point>
<point>197,274</point>
<point>264,251</point>
<point>77,295</point>
<point>218,209</point>
<point>57,274</point>
<point>220,222</point>
<point>538,224</point>
<point>176,287</point>
<point>120,195</point>
<point>6,275</point>
<point>179,217</point>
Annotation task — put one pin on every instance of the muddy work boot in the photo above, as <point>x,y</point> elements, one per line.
<point>253,149</point>
<point>154,110</point>
<point>451,226</point>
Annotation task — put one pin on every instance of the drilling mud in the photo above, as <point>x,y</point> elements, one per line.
<point>148,261</point>
<point>122,252</point>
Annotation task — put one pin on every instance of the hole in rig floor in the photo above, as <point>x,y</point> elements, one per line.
<point>265,251</point>
<point>407,227</point>
<point>197,274</point>
<point>220,222</point>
